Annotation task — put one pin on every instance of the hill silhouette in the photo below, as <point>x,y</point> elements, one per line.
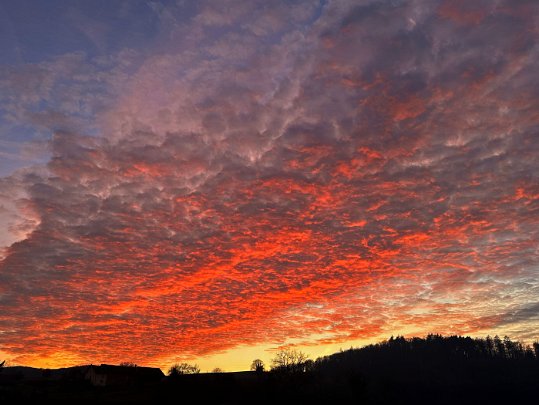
<point>433,370</point>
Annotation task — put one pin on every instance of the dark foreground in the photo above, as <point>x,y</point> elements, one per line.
<point>434,370</point>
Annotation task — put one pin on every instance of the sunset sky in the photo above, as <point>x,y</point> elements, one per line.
<point>209,181</point>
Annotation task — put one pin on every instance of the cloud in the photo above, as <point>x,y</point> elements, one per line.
<point>350,176</point>
<point>529,312</point>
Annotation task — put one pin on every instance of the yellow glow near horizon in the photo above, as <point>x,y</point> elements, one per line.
<point>236,359</point>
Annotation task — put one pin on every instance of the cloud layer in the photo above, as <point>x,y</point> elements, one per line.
<point>306,172</point>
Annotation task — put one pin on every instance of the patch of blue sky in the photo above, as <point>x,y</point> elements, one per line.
<point>32,31</point>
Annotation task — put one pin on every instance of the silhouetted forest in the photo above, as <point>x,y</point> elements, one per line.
<point>433,370</point>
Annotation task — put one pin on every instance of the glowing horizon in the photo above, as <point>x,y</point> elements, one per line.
<point>203,181</point>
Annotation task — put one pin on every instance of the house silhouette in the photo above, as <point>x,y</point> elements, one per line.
<point>109,375</point>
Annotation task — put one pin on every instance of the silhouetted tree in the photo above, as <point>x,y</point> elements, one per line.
<point>257,365</point>
<point>217,370</point>
<point>489,345</point>
<point>308,365</point>
<point>183,368</point>
<point>536,349</point>
<point>290,360</point>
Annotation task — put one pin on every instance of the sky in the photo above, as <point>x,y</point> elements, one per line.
<point>211,181</point>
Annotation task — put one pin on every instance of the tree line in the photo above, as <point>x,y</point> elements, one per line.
<point>435,370</point>
<point>290,360</point>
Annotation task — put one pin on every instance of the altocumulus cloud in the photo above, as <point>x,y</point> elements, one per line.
<point>307,172</point>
